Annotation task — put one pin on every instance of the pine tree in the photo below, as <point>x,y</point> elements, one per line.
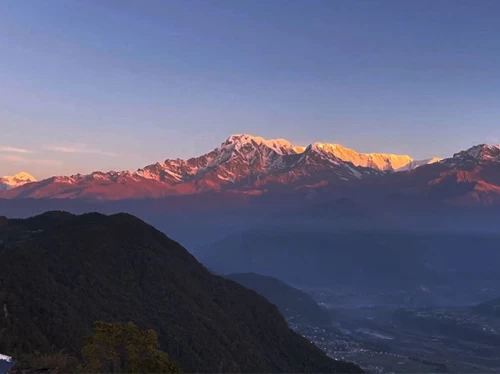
<point>117,348</point>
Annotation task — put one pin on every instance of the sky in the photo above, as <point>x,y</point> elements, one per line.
<point>118,84</point>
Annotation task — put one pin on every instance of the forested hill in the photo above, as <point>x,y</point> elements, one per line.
<point>59,273</point>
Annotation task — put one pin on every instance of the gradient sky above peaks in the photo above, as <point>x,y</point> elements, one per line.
<point>88,85</point>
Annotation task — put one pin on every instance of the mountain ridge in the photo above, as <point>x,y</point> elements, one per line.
<point>247,163</point>
<point>248,166</point>
<point>292,303</point>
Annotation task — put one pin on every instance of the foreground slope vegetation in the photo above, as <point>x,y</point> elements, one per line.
<point>59,273</point>
<point>124,348</point>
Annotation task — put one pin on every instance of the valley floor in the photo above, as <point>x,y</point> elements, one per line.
<point>409,340</point>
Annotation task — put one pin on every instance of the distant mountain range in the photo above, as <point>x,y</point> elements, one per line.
<point>243,162</point>
<point>366,260</point>
<point>247,165</point>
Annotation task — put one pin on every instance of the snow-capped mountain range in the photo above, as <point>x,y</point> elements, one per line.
<point>241,162</point>
<point>253,165</point>
<point>8,182</point>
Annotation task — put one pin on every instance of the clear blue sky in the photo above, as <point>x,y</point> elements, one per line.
<point>117,84</point>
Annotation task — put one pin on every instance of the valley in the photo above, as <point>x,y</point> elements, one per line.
<point>399,302</point>
<point>438,324</point>
<point>390,339</point>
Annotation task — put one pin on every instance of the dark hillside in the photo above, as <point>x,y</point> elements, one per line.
<point>291,302</point>
<point>59,273</point>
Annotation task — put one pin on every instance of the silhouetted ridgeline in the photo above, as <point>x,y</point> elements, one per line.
<point>291,302</point>
<point>59,273</point>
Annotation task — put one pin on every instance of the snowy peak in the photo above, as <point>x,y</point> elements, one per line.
<point>247,147</point>
<point>479,153</point>
<point>417,163</point>
<point>379,161</point>
<point>319,158</point>
<point>323,151</point>
<point>239,141</point>
<point>241,163</point>
<point>324,147</point>
<point>8,182</point>
<point>21,177</point>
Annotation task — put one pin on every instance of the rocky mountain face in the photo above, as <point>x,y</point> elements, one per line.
<point>251,166</point>
<point>470,177</point>
<point>481,154</point>
<point>473,176</point>
<point>248,162</point>
<point>245,163</point>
